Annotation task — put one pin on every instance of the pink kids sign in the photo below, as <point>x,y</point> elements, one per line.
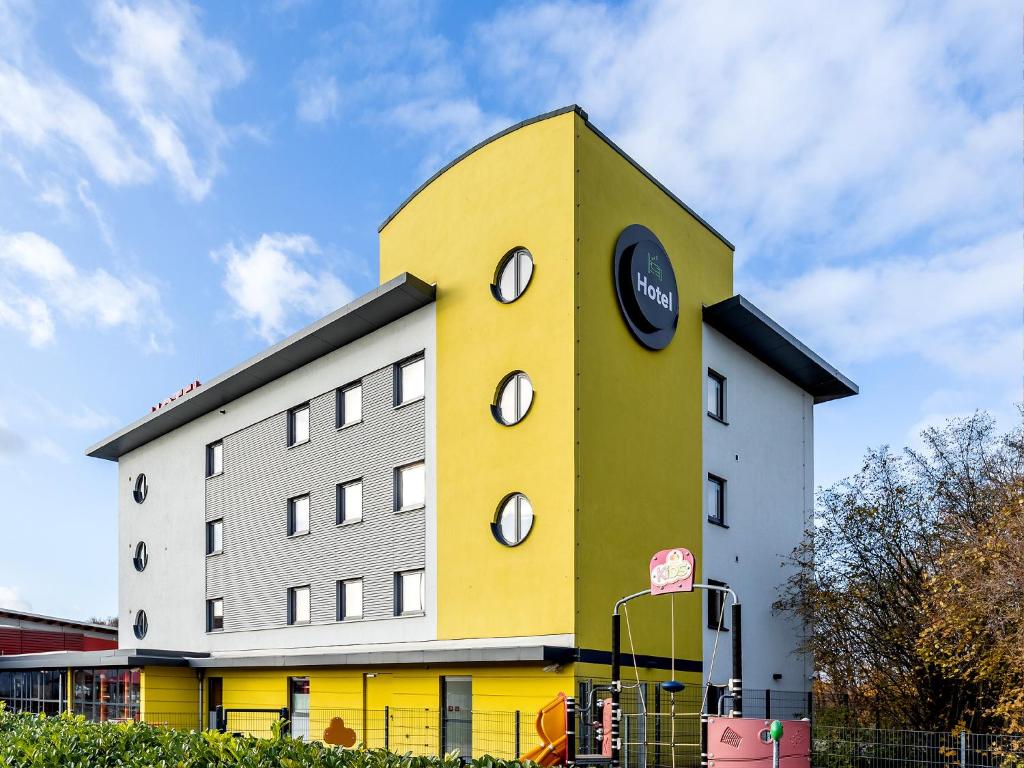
<point>672,571</point>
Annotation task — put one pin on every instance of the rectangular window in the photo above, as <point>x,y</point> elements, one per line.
<point>350,599</point>
<point>214,458</point>
<point>409,380</point>
<point>215,614</point>
<point>716,395</point>
<point>214,537</point>
<point>715,499</point>
<point>298,425</point>
<point>350,405</point>
<point>298,515</point>
<point>350,502</point>
<point>298,605</point>
<point>410,487</point>
<point>716,603</point>
<point>409,593</point>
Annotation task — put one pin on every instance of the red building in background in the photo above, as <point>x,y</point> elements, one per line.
<point>22,632</point>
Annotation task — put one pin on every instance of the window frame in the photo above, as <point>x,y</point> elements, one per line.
<point>210,538</point>
<point>293,604</point>
<point>722,403</point>
<point>140,624</point>
<point>210,453</point>
<point>140,488</point>
<point>342,602</point>
<point>496,528</point>
<point>398,398</point>
<point>211,614</point>
<point>714,596</point>
<point>507,380</point>
<point>399,594</point>
<point>339,502</point>
<point>292,531</point>
<point>511,256</point>
<point>339,404</point>
<point>718,518</point>
<point>140,559</point>
<point>397,503</point>
<point>290,432</point>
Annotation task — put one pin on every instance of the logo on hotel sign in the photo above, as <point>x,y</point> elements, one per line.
<point>672,571</point>
<point>645,285</point>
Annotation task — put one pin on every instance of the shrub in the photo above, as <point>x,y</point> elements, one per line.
<point>66,741</point>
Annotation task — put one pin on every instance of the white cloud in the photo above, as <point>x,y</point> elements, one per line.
<point>399,73</point>
<point>277,279</point>
<point>10,598</point>
<point>455,124</point>
<point>318,99</point>
<point>47,114</point>
<point>52,193</point>
<point>168,74</point>
<point>163,70</point>
<point>959,309</point>
<point>89,203</point>
<point>36,279</point>
<point>28,315</point>
<point>852,125</point>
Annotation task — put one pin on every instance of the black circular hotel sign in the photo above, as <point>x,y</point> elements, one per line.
<point>645,285</point>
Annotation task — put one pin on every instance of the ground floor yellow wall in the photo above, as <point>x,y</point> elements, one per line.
<point>358,697</point>
<point>169,694</point>
<point>495,688</point>
<point>502,696</point>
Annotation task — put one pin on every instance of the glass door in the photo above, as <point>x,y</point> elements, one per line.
<point>298,705</point>
<point>457,718</point>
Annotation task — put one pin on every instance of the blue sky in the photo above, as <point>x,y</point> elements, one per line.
<point>180,185</point>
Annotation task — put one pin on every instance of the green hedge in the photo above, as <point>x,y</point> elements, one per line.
<point>35,741</point>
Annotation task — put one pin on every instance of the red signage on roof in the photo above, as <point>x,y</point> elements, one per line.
<point>180,393</point>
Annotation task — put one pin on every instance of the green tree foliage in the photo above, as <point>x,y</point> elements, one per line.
<point>35,741</point>
<point>881,546</point>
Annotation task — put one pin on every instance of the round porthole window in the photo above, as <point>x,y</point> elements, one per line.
<point>513,275</point>
<point>513,399</point>
<point>141,557</point>
<point>513,521</point>
<point>141,488</point>
<point>141,625</point>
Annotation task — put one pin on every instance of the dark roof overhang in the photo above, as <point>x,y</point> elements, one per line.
<point>117,657</point>
<point>371,311</point>
<point>750,328</point>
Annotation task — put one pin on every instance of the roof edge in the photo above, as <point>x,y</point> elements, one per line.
<point>545,116</point>
<point>406,291</point>
<point>45,619</point>
<point>736,316</point>
<point>511,129</point>
<point>114,657</point>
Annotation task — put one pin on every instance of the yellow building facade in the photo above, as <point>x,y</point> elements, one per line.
<point>610,454</point>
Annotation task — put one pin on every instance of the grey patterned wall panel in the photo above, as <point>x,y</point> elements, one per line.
<point>260,562</point>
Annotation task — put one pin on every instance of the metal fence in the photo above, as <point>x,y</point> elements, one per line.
<point>419,731</point>
<point>655,728</point>
<point>840,747</point>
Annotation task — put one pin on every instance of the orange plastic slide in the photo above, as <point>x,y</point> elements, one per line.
<point>551,727</point>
